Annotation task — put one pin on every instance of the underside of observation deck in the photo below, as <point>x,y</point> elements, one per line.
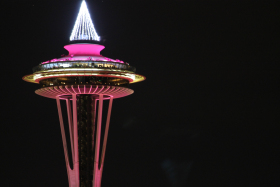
<point>64,91</point>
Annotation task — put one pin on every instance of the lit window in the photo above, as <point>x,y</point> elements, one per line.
<point>66,65</point>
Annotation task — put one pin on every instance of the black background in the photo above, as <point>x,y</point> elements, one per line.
<point>207,114</point>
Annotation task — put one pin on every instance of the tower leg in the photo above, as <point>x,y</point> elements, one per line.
<point>70,122</point>
<point>76,150</point>
<point>99,162</point>
<point>106,136</point>
<point>63,137</point>
<point>96,172</point>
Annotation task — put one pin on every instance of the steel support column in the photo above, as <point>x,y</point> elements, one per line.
<point>63,138</point>
<point>96,172</point>
<point>75,131</point>
<point>70,122</point>
<point>99,162</point>
<point>105,136</point>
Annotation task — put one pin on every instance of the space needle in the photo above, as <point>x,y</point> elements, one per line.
<point>84,79</point>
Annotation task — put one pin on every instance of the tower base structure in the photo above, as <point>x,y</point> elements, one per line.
<point>84,112</point>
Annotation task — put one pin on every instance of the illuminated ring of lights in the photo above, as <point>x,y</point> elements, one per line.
<point>84,26</point>
<point>31,78</point>
<point>61,91</point>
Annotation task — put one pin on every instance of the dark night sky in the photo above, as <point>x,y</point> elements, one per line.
<point>207,115</point>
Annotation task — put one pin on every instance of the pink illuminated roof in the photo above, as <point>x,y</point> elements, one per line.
<point>84,49</point>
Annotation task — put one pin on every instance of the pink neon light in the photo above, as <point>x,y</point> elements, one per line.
<point>88,50</point>
<point>95,89</point>
<point>90,89</point>
<point>79,89</point>
<point>100,90</point>
<point>58,90</point>
<point>53,60</point>
<point>46,62</point>
<point>112,88</point>
<point>108,59</point>
<point>73,89</point>
<point>67,89</point>
<point>106,90</point>
<point>62,90</point>
<point>84,49</point>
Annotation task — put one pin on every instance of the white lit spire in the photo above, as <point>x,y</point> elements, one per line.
<point>84,28</point>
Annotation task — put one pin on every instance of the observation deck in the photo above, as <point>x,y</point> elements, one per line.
<point>84,60</point>
<point>84,69</point>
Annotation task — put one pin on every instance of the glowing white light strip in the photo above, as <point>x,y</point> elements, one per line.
<point>42,75</point>
<point>84,28</point>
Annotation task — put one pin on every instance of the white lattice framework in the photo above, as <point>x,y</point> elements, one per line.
<point>84,28</point>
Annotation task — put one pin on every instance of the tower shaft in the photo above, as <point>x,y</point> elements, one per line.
<point>85,138</point>
<point>86,131</point>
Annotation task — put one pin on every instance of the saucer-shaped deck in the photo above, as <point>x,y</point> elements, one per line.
<point>67,90</point>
